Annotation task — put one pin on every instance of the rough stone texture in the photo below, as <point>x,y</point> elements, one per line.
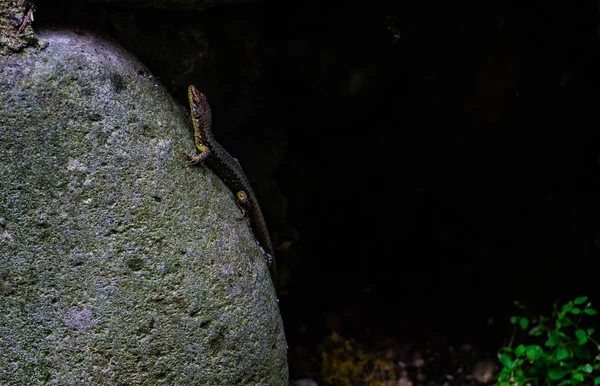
<point>120,264</point>
<point>15,26</point>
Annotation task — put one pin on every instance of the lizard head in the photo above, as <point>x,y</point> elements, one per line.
<point>199,105</point>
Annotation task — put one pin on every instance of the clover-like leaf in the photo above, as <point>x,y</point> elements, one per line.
<point>567,307</point>
<point>556,374</point>
<point>582,336</point>
<point>506,360</point>
<point>578,377</point>
<point>534,352</point>
<point>566,322</point>
<point>562,353</point>
<point>553,339</point>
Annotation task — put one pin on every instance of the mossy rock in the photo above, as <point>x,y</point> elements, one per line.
<point>119,263</point>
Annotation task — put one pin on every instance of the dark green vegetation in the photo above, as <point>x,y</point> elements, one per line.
<point>559,350</point>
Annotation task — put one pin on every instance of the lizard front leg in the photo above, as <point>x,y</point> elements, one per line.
<point>196,159</point>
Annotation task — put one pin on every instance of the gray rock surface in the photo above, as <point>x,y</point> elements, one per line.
<point>120,264</point>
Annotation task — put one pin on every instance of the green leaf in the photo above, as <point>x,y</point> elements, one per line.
<point>576,311</point>
<point>567,307</point>
<point>562,353</point>
<point>590,311</point>
<point>553,339</point>
<point>524,322</point>
<point>597,381</point>
<point>578,377</point>
<point>566,322</point>
<point>556,374</point>
<point>582,336</point>
<point>513,320</point>
<point>587,368</point>
<point>506,360</point>
<point>580,300</point>
<point>533,352</point>
<point>520,350</point>
<point>561,315</point>
<point>590,331</point>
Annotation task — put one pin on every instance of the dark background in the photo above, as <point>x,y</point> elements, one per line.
<point>421,165</point>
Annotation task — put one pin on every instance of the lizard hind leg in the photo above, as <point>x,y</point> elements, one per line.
<point>243,203</point>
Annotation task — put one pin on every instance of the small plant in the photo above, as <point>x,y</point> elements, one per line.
<point>569,356</point>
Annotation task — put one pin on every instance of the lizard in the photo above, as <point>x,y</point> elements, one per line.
<point>229,170</point>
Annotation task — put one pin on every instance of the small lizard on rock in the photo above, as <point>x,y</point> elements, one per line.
<point>229,170</point>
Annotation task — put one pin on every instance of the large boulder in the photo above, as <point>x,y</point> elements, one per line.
<point>120,263</point>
